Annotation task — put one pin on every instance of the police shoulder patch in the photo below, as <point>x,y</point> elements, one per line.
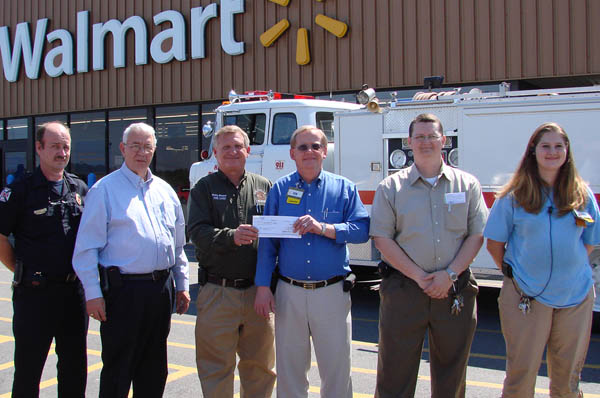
<point>5,194</point>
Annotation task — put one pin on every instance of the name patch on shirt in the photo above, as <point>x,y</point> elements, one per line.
<point>5,195</point>
<point>219,196</point>
<point>454,198</point>
<point>294,196</point>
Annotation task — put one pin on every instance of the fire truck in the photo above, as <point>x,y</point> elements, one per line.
<point>486,136</point>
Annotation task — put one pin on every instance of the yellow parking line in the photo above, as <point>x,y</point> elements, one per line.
<point>7,365</point>
<point>183,322</point>
<point>184,371</point>
<point>181,345</point>
<point>181,371</point>
<point>5,339</point>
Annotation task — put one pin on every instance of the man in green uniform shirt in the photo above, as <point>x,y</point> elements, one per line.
<point>220,225</point>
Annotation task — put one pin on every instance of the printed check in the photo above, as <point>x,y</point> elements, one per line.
<point>275,226</point>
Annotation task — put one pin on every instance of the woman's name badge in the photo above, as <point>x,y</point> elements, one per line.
<point>294,195</point>
<point>582,218</point>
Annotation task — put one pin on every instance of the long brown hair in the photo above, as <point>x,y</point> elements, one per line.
<point>527,186</point>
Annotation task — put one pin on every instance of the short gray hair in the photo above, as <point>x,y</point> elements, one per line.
<point>139,127</point>
<point>231,129</point>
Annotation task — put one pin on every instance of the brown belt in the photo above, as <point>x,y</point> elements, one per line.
<point>225,282</point>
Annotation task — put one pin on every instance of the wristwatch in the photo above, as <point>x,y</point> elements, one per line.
<point>323,228</point>
<point>453,276</point>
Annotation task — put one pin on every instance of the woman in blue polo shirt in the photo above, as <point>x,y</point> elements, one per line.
<point>541,229</point>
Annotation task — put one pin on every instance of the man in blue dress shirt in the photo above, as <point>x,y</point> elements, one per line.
<point>309,297</point>
<point>129,250</point>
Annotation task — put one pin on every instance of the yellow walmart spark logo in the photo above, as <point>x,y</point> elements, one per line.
<point>333,26</point>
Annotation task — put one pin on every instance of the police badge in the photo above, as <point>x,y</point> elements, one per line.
<point>5,194</point>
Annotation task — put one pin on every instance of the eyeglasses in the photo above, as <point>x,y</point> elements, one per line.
<point>314,147</point>
<point>423,138</point>
<point>138,147</point>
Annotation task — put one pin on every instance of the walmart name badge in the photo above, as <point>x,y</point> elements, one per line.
<point>455,198</point>
<point>294,195</point>
<point>582,218</point>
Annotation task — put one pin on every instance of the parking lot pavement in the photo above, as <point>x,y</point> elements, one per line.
<point>484,376</point>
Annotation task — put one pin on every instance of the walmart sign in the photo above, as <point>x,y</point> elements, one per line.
<point>31,53</point>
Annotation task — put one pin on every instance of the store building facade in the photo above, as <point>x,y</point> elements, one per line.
<point>99,66</point>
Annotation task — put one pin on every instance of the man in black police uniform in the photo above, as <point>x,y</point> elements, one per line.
<point>43,210</point>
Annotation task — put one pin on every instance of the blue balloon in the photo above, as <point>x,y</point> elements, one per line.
<point>91,179</point>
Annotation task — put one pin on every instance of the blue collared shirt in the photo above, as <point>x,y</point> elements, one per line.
<point>331,199</point>
<point>134,224</point>
<point>547,249</point>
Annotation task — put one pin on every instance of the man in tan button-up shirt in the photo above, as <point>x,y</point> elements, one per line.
<point>427,220</point>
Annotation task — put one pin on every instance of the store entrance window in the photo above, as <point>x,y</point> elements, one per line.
<point>16,129</point>
<point>14,165</point>
<point>88,145</point>
<point>118,121</point>
<point>177,147</point>
<point>14,150</point>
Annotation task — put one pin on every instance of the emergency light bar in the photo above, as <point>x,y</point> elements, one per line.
<point>263,95</point>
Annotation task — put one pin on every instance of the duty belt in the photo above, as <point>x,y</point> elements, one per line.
<point>41,279</point>
<point>312,285</point>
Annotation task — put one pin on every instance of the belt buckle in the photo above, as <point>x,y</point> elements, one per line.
<point>71,277</point>
<point>238,283</point>
<point>308,285</point>
<point>155,275</point>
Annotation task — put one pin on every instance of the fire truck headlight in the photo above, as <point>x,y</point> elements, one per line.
<point>398,159</point>
<point>453,157</point>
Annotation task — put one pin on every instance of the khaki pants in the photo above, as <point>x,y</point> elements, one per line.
<point>566,332</point>
<point>227,324</point>
<point>324,315</point>
<point>406,313</point>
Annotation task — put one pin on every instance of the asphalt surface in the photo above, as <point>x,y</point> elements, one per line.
<point>484,376</point>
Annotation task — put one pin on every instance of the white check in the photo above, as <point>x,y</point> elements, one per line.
<point>275,226</point>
